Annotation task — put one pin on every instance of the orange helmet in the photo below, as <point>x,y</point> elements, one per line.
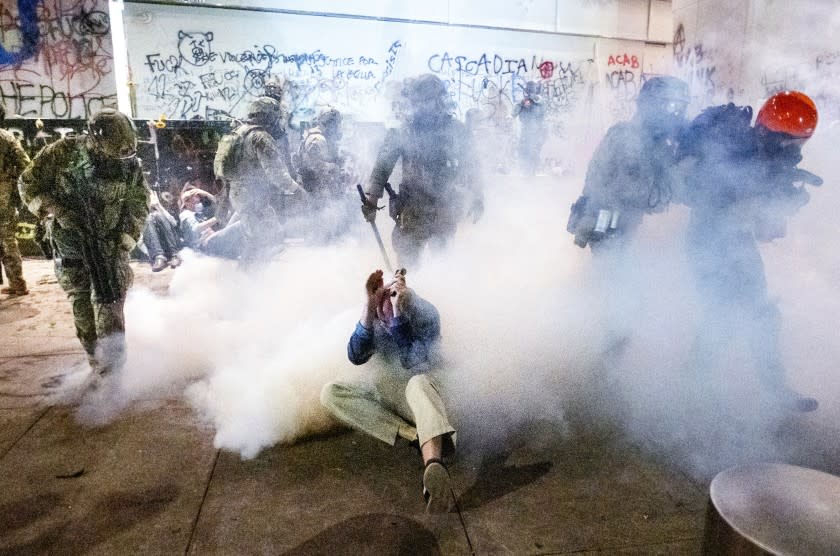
<point>789,112</point>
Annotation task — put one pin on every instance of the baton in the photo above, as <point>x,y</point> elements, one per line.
<point>376,231</point>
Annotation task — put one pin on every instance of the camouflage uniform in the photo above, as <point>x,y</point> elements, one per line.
<point>438,168</point>
<point>320,164</point>
<point>262,178</point>
<point>13,160</point>
<point>99,207</point>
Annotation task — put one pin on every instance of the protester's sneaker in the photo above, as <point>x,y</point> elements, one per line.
<point>175,261</point>
<point>14,290</point>
<point>159,263</point>
<point>436,490</point>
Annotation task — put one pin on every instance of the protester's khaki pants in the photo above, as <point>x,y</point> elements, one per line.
<point>396,404</point>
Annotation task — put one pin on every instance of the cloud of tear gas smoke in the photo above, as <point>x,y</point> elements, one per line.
<point>249,349</point>
<point>532,327</point>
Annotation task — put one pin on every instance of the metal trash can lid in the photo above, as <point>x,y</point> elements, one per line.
<point>784,509</point>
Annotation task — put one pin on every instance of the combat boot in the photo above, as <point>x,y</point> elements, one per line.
<point>17,288</point>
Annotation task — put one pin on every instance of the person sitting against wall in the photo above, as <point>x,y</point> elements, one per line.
<point>198,222</point>
<point>160,237</point>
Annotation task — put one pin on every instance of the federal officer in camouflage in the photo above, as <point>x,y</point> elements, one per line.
<point>260,177</point>
<point>439,172</point>
<point>92,188</point>
<point>320,160</point>
<point>13,160</point>
<point>324,175</point>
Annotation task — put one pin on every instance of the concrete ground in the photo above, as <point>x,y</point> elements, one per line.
<point>151,482</point>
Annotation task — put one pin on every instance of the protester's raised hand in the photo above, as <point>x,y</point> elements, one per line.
<point>399,293</point>
<point>373,287</point>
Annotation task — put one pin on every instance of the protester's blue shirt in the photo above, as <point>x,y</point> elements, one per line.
<point>190,232</point>
<point>412,337</point>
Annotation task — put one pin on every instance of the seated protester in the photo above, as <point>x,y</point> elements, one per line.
<point>160,237</point>
<point>404,400</point>
<point>196,216</point>
<point>197,223</point>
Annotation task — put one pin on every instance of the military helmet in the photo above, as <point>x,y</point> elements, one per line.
<point>424,88</point>
<point>265,110</point>
<point>329,117</point>
<point>665,88</point>
<point>113,134</point>
<point>789,112</point>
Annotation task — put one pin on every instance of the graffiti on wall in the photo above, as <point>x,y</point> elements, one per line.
<point>818,77</point>
<point>495,82</point>
<point>195,78</point>
<point>695,64</point>
<point>623,78</point>
<point>55,58</point>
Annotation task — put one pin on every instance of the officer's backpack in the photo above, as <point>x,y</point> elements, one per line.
<point>719,130</point>
<point>229,151</point>
<point>311,135</point>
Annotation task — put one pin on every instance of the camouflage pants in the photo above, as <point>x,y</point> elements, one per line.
<point>11,254</point>
<point>100,327</point>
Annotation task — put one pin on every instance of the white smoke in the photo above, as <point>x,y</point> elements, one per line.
<point>532,326</point>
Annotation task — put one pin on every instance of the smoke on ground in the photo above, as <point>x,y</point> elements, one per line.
<point>533,327</point>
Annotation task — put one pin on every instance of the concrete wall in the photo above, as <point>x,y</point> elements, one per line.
<point>618,19</point>
<point>746,51</point>
<point>56,58</point>
<point>590,56</point>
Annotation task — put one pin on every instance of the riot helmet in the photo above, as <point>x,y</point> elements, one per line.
<point>662,103</point>
<point>267,112</point>
<point>789,112</point>
<point>784,123</point>
<point>329,121</point>
<point>427,98</point>
<point>112,134</point>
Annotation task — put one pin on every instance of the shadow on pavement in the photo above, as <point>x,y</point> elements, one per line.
<point>495,479</point>
<point>110,515</point>
<point>382,534</point>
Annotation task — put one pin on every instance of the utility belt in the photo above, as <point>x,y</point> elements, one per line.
<point>589,224</point>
